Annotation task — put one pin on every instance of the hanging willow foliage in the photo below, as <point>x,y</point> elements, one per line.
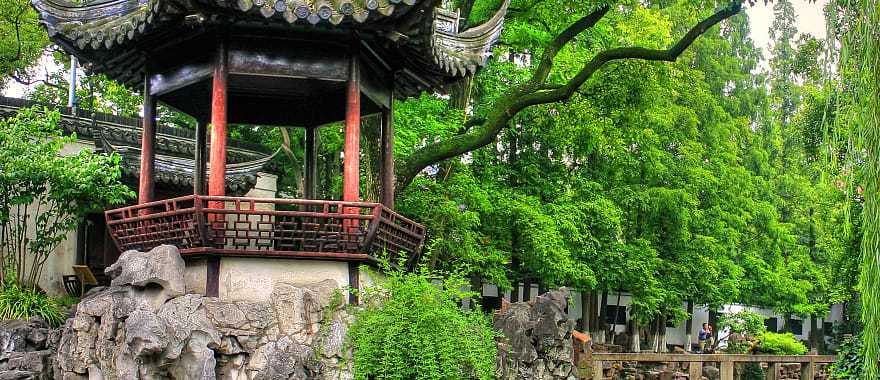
<point>860,108</point>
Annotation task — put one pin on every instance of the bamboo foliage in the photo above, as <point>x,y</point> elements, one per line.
<point>860,108</point>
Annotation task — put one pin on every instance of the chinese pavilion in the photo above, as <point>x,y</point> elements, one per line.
<point>300,63</point>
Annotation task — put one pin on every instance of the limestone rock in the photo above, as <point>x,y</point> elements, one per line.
<point>26,349</point>
<point>536,340</point>
<point>162,266</point>
<point>144,327</point>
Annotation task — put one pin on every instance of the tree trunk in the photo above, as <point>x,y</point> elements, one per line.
<point>586,311</point>
<point>611,330</point>
<point>661,335</point>
<point>527,291</point>
<point>816,335</point>
<point>602,327</point>
<point>514,292</point>
<point>688,326</point>
<point>635,341</point>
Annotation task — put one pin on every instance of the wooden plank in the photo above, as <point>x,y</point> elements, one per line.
<point>179,77</point>
<point>695,370</point>
<point>727,370</point>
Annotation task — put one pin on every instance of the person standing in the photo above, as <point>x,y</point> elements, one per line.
<point>704,337</point>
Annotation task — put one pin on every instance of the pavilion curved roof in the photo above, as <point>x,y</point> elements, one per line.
<point>114,36</point>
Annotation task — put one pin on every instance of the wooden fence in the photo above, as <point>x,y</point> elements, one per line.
<point>727,361</point>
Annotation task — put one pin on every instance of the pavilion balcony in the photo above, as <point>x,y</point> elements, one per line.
<point>259,227</point>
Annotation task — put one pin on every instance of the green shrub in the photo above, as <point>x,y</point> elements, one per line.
<point>779,344</point>
<point>411,328</point>
<point>18,302</point>
<point>850,363</point>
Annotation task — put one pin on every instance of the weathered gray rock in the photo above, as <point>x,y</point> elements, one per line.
<point>143,326</point>
<point>26,349</point>
<point>161,269</point>
<point>536,339</point>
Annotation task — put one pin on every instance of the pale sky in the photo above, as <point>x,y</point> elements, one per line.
<point>810,19</point>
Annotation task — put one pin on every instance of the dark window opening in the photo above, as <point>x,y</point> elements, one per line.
<point>827,328</point>
<point>615,314</point>
<point>796,326</point>
<point>772,324</point>
<point>95,247</point>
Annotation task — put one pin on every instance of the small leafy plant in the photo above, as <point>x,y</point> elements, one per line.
<point>412,327</point>
<point>779,344</point>
<point>850,360</point>
<point>17,302</point>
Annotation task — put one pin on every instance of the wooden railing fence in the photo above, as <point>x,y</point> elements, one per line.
<point>726,362</point>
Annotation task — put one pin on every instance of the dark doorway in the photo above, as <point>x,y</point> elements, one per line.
<point>96,249</point>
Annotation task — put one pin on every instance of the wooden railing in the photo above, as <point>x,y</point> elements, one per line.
<point>727,361</point>
<point>267,227</point>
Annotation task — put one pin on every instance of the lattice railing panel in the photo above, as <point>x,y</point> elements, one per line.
<point>236,225</point>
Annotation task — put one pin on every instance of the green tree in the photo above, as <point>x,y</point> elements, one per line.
<point>44,194</point>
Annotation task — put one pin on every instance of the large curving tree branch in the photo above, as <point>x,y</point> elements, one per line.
<point>536,91</point>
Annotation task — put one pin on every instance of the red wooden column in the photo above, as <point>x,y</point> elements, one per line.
<point>217,177</point>
<point>351,163</point>
<point>147,183</point>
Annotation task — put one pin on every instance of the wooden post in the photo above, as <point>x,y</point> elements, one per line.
<point>217,180</point>
<point>727,370</point>
<point>351,163</point>
<point>387,167</point>
<point>201,158</point>
<point>354,280</point>
<point>808,370</point>
<point>147,183</point>
<point>695,370</point>
<point>772,370</point>
<point>311,164</point>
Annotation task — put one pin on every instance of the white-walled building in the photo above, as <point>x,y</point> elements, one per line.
<point>676,335</point>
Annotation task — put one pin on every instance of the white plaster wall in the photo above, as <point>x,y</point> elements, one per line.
<point>195,275</point>
<point>266,186</point>
<point>60,262</point>
<point>252,279</point>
